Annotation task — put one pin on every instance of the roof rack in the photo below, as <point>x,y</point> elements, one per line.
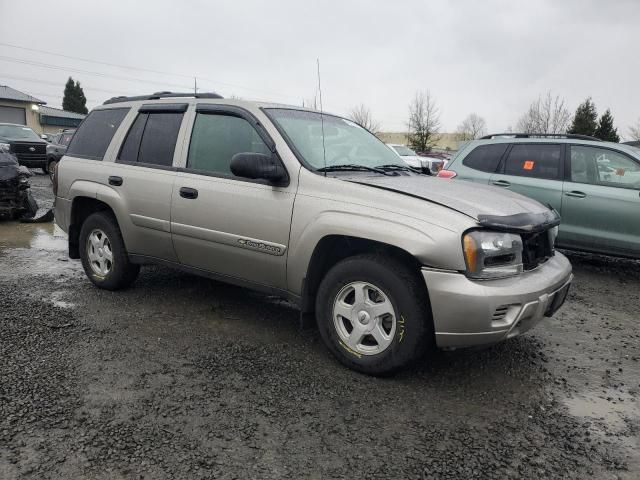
<point>541,135</point>
<point>157,95</point>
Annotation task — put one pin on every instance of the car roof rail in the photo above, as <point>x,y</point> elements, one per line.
<point>574,136</point>
<point>158,95</point>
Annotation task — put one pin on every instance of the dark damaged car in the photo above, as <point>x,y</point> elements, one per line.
<point>16,201</point>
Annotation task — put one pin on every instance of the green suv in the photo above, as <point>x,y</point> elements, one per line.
<point>594,185</point>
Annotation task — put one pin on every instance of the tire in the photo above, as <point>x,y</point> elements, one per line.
<point>51,168</point>
<point>402,342</point>
<point>103,254</point>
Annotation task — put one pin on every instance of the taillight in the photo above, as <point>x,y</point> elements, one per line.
<point>55,178</point>
<point>446,174</point>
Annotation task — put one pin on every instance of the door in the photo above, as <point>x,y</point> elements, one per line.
<point>232,226</point>
<point>534,170</point>
<point>13,115</point>
<point>144,177</point>
<point>601,202</point>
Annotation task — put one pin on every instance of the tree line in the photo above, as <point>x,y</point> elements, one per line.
<point>548,114</point>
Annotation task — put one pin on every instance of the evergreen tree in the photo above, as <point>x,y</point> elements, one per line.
<point>606,131</point>
<point>585,121</point>
<point>82,100</point>
<point>74,99</point>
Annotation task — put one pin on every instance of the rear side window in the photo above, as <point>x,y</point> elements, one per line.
<point>534,160</point>
<point>485,157</point>
<point>217,138</point>
<point>152,139</point>
<point>94,135</point>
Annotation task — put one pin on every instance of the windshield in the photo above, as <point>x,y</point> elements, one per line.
<point>345,142</point>
<point>18,132</point>
<point>404,151</point>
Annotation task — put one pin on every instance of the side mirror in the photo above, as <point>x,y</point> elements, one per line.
<point>44,137</point>
<point>259,166</point>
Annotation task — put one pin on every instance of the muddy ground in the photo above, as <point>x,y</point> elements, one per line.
<point>184,377</point>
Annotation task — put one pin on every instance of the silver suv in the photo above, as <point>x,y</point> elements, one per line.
<point>311,207</point>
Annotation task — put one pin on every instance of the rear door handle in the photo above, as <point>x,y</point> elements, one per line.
<point>576,194</point>
<point>501,183</point>
<point>116,181</point>
<point>190,193</point>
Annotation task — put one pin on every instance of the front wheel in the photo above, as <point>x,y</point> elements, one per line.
<point>373,314</point>
<point>103,254</point>
<point>51,168</point>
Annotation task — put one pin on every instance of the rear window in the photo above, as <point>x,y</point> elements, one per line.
<point>485,157</point>
<point>152,139</point>
<point>94,135</point>
<point>534,160</point>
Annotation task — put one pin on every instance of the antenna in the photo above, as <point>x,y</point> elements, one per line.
<point>324,151</point>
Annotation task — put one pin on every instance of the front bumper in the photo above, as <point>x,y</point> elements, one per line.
<point>469,313</point>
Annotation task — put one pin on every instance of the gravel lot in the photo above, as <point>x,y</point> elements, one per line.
<point>183,377</point>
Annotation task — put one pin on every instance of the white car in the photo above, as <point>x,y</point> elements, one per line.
<point>414,160</point>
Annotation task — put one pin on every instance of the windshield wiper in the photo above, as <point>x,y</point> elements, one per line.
<point>352,168</point>
<point>394,167</point>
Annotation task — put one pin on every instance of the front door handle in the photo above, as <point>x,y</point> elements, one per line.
<point>115,181</point>
<point>190,193</point>
<point>576,194</point>
<point>501,183</point>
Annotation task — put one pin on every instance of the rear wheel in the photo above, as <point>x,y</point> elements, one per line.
<point>373,314</point>
<point>103,254</point>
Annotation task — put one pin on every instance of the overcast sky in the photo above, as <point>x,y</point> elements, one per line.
<point>489,57</point>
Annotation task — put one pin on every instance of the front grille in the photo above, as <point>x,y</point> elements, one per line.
<point>536,249</point>
<point>25,148</point>
<point>24,153</point>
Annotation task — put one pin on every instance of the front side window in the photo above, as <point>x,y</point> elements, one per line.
<point>152,139</point>
<point>601,166</point>
<point>326,141</point>
<point>94,135</point>
<point>404,151</point>
<point>485,157</point>
<point>65,139</point>
<point>534,160</point>
<point>216,138</point>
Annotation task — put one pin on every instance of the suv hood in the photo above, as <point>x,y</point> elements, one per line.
<point>473,199</point>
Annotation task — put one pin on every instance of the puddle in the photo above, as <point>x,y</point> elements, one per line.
<point>35,249</point>
<point>43,236</point>
<point>611,412</point>
<point>57,300</point>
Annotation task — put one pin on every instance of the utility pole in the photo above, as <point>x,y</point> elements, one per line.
<point>195,85</point>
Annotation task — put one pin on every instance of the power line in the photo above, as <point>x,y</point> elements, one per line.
<point>128,67</point>
<point>56,84</point>
<point>97,62</point>
<point>87,72</point>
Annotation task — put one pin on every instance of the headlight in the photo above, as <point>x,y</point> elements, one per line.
<point>492,254</point>
<point>553,234</point>
<point>5,147</point>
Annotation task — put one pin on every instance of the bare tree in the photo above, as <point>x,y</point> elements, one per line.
<point>547,114</point>
<point>634,131</point>
<point>424,121</point>
<point>362,116</point>
<point>472,127</point>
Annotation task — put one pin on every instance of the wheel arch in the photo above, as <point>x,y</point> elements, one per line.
<point>81,208</point>
<point>332,249</point>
